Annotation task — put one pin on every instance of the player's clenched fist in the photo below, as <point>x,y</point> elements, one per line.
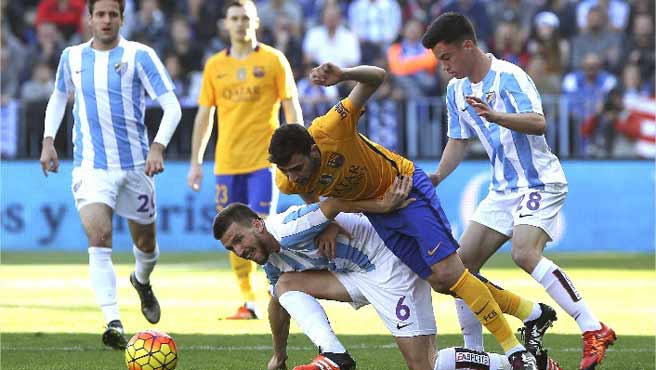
<point>155,160</point>
<point>49,160</point>
<point>326,74</point>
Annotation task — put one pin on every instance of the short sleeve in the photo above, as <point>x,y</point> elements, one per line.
<point>341,121</point>
<point>285,84</point>
<point>301,224</point>
<point>207,97</point>
<point>457,128</point>
<point>153,75</point>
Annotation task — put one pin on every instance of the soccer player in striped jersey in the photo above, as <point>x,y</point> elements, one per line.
<point>497,101</point>
<point>361,271</point>
<point>333,159</point>
<point>113,165</point>
<point>246,83</point>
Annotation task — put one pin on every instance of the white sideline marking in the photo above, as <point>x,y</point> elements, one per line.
<point>292,348</point>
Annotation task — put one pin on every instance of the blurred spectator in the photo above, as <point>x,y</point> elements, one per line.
<point>545,81</point>
<point>150,25</point>
<point>12,60</point>
<point>286,40</point>
<point>270,10</point>
<point>597,39</point>
<point>315,100</point>
<point>182,44</point>
<point>634,86</point>
<point>13,20</point>
<point>423,10</point>
<point>180,79</point>
<point>586,90</point>
<point>129,16</point>
<point>565,10</point>
<point>515,11</point>
<point>218,42</point>
<point>412,65</point>
<point>383,113</point>
<point>638,124</point>
<point>639,48</point>
<point>40,85</point>
<point>48,48</point>
<point>8,104</point>
<point>616,11</point>
<point>476,11</point>
<point>375,21</point>
<point>508,44</point>
<point>65,14</point>
<point>202,16</point>
<point>639,7</point>
<point>331,42</point>
<point>547,44</point>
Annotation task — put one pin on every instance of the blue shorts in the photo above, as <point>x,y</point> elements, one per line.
<point>419,234</point>
<point>253,189</point>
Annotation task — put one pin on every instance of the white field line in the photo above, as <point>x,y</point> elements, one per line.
<point>290,348</point>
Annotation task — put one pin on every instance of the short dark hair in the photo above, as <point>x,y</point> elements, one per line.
<point>288,140</point>
<point>121,5</point>
<point>239,3</point>
<point>235,212</point>
<point>449,27</point>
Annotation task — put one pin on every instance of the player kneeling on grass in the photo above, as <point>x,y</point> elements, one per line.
<point>360,270</point>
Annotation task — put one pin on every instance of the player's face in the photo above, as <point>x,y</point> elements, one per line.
<point>455,57</point>
<point>301,168</point>
<point>247,242</point>
<point>105,21</point>
<point>241,23</point>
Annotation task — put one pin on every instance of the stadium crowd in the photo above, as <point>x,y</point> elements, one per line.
<point>596,54</point>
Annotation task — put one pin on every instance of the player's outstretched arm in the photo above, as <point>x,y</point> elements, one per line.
<point>453,154</point>
<point>200,137</point>
<point>369,78</point>
<point>54,114</point>
<point>279,322</point>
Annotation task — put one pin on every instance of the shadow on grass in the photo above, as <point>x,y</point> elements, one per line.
<point>59,351</point>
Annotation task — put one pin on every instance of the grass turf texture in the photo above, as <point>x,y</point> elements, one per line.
<point>49,319</point>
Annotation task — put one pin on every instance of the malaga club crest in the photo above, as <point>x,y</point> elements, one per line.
<point>120,68</point>
<point>490,98</point>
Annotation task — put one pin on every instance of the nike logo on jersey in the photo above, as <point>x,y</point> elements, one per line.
<point>221,75</point>
<point>432,251</point>
<point>522,216</point>
<point>400,326</point>
<point>479,312</point>
<point>79,71</point>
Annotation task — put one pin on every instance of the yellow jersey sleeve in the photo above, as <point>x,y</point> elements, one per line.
<point>207,89</point>
<point>285,84</point>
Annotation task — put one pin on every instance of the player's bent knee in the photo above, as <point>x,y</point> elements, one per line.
<point>287,283</point>
<point>146,242</point>
<point>525,258</point>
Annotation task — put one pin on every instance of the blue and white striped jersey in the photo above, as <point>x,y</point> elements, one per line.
<point>296,229</point>
<point>109,107</point>
<point>518,160</point>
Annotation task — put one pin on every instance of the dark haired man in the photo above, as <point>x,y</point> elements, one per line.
<point>498,102</point>
<point>332,159</point>
<point>113,168</point>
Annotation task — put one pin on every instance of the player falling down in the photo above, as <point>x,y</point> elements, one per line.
<point>113,168</point>
<point>498,102</point>
<point>333,159</point>
<point>359,270</point>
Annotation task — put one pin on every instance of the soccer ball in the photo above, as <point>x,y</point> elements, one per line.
<point>151,350</point>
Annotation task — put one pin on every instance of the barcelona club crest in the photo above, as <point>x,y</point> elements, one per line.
<point>325,179</point>
<point>241,74</point>
<point>335,160</point>
<point>490,98</point>
<point>258,71</point>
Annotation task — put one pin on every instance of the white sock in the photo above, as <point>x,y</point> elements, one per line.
<point>561,289</point>
<point>461,358</point>
<point>144,263</point>
<point>472,330</point>
<point>312,319</point>
<point>536,311</point>
<point>103,281</point>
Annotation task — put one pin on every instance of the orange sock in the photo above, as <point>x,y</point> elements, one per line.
<point>479,299</point>
<point>509,302</point>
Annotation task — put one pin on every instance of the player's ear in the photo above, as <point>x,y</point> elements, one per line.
<point>258,224</point>
<point>314,150</point>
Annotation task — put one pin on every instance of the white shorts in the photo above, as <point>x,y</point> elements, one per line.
<point>401,298</point>
<point>539,208</point>
<point>130,193</point>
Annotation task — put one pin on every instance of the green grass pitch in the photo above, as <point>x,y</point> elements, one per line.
<point>49,318</point>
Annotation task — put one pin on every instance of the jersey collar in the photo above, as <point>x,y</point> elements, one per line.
<point>256,48</point>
